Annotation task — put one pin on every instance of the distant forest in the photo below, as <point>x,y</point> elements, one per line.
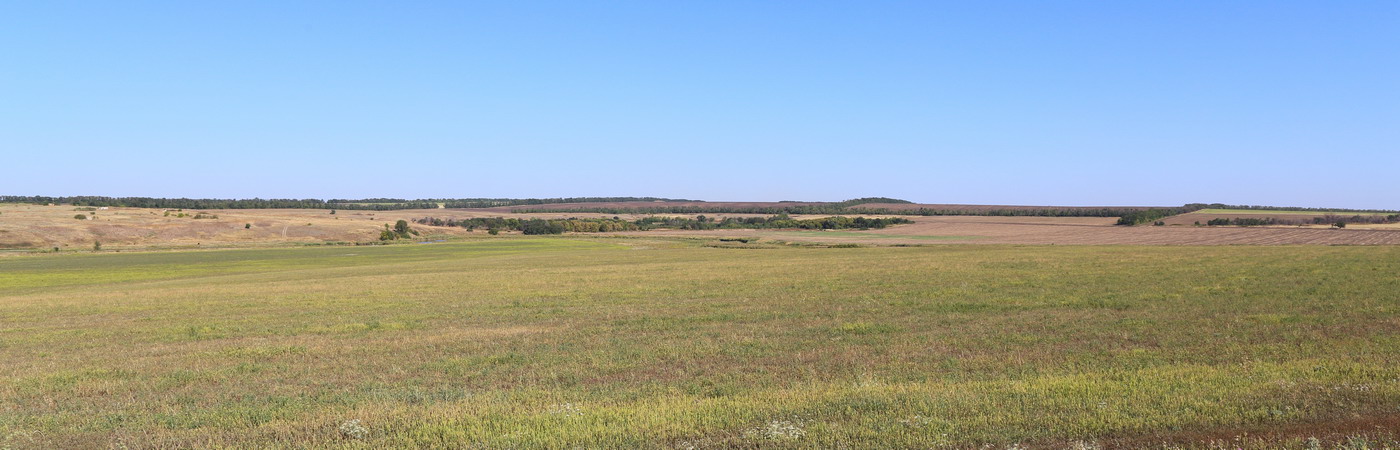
<point>375,204</point>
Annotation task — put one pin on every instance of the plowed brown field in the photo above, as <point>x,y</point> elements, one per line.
<point>1203,217</point>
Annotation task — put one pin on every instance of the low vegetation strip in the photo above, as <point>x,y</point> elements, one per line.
<point>561,343</point>
<point>1231,209</point>
<point>595,225</point>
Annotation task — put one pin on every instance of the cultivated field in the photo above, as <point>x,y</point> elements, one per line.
<point>1205,215</point>
<point>566,342</point>
<point>1060,231</point>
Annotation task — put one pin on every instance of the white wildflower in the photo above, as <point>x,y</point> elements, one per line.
<point>777,430</point>
<point>352,429</point>
<point>565,409</point>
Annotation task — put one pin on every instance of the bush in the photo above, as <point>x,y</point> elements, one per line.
<point>541,226</point>
<point>80,216</point>
<point>401,227</point>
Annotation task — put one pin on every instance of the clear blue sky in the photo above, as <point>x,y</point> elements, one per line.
<point>1064,103</point>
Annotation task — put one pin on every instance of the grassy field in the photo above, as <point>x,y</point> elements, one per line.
<point>560,342</point>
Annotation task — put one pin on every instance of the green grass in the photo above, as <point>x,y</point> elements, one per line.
<point>18,273</point>
<point>560,342</point>
<point>1297,212</point>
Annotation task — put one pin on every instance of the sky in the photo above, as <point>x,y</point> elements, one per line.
<point>1036,103</point>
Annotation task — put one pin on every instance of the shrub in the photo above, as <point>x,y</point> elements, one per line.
<point>541,226</point>
<point>80,216</point>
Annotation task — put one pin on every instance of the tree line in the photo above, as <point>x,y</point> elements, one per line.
<point>1295,208</point>
<point>1153,214</point>
<point>595,225</point>
<point>1329,219</point>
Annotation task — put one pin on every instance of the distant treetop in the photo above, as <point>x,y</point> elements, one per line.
<point>864,200</point>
